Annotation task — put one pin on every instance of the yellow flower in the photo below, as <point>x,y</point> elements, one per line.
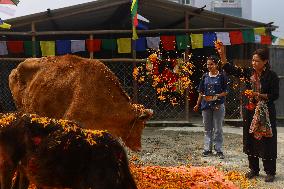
<point>161,97</point>
<point>7,119</point>
<point>153,57</point>
<point>135,72</point>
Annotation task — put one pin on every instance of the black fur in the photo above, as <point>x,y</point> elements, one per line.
<point>53,153</point>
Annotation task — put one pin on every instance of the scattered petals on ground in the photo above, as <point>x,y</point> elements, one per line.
<point>184,177</point>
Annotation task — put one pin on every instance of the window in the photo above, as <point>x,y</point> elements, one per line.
<point>185,2</point>
<point>228,1</point>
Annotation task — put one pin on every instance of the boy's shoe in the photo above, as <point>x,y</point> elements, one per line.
<point>251,174</point>
<point>269,178</point>
<point>206,153</point>
<point>220,155</point>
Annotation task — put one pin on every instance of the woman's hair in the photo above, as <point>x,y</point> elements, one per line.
<point>214,59</point>
<point>263,54</point>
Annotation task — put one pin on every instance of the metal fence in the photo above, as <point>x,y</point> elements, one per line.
<point>6,100</point>
<point>146,95</point>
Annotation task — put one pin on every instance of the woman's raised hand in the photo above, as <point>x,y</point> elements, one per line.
<point>221,51</point>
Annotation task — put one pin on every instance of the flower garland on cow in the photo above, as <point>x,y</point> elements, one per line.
<point>170,77</point>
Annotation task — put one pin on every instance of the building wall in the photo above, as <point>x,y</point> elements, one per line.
<point>276,65</point>
<point>241,8</point>
<point>247,9</point>
<point>230,11</point>
<point>201,3</point>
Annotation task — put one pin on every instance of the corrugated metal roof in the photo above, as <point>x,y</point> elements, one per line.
<point>115,15</point>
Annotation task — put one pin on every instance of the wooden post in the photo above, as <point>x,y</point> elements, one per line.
<point>224,26</point>
<point>91,52</point>
<point>33,40</point>
<point>186,59</point>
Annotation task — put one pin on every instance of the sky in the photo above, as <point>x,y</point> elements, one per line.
<point>269,11</point>
<point>262,10</point>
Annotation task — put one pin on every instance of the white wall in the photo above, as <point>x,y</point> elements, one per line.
<point>201,3</point>
<point>247,9</point>
<point>246,6</point>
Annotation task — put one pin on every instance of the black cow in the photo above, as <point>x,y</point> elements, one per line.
<point>60,154</point>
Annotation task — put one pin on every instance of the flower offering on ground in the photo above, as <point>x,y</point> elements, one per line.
<point>184,177</point>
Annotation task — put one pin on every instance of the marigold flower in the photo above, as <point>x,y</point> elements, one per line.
<point>166,75</point>
<point>153,57</point>
<point>248,93</point>
<point>218,44</point>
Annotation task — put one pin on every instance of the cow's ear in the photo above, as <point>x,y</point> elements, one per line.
<point>27,69</point>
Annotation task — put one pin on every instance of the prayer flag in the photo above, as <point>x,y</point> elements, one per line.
<point>109,44</point>
<point>257,38</point>
<point>15,47</point>
<point>141,44</point>
<point>134,8</point>
<point>182,42</point>
<point>274,38</point>
<point>3,48</point>
<point>153,42</point>
<point>266,40</point>
<point>16,2</point>
<point>142,26</point>
<point>259,31</point>
<point>29,50</point>
<point>209,38</point>
<point>142,18</point>
<point>281,42</point>
<point>248,36</point>
<point>63,47</point>
<point>196,41</point>
<point>94,45</point>
<point>224,37</point>
<point>77,46</point>
<point>11,2</point>
<point>47,48</point>
<point>124,45</point>
<point>236,37</point>
<point>168,42</point>
<point>5,26</point>
<point>8,10</point>
<point>142,23</point>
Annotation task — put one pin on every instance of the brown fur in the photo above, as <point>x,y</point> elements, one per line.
<point>78,89</point>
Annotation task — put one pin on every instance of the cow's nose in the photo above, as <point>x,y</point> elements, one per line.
<point>147,113</point>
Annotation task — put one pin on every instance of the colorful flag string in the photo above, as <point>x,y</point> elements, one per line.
<point>11,2</point>
<point>134,8</point>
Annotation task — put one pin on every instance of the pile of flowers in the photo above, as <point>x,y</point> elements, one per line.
<point>169,76</point>
<point>184,177</point>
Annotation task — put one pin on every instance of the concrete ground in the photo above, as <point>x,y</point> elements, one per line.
<point>171,143</point>
<point>195,125</point>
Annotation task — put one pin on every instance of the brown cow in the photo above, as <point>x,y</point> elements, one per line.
<point>80,89</point>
